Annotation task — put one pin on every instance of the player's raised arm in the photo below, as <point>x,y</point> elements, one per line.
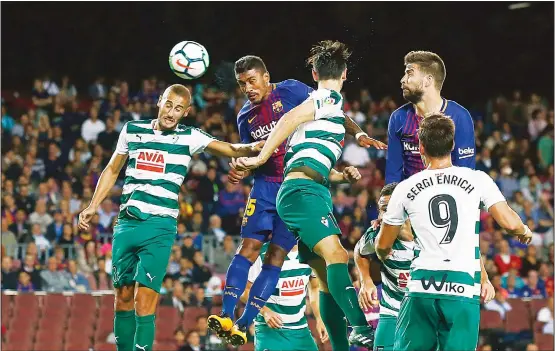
<point>221,148</point>
<point>106,181</point>
<point>363,140</point>
<point>464,153</point>
<point>283,129</point>
<point>394,164</point>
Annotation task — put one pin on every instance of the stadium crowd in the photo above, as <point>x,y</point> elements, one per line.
<point>57,140</point>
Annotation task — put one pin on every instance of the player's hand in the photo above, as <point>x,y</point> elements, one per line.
<point>351,174</point>
<point>376,223</point>
<point>367,142</point>
<point>488,291</point>
<point>257,147</point>
<point>234,176</point>
<point>526,237</point>
<point>322,332</point>
<point>246,163</point>
<point>368,296</point>
<point>272,319</point>
<point>85,217</point>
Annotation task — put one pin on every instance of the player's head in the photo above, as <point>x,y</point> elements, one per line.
<point>328,59</point>
<point>173,105</point>
<point>253,78</point>
<point>424,71</point>
<point>385,195</point>
<point>437,137</point>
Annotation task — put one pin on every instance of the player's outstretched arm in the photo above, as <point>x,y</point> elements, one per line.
<point>509,220</point>
<point>105,184</point>
<point>314,298</point>
<point>487,291</point>
<point>363,140</point>
<point>350,174</point>
<point>283,129</point>
<point>368,295</point>
<point>386,238</point>
<point>221,148</point>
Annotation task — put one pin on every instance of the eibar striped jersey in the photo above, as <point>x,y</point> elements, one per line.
<point>395,271</point>
<point>289,296</point>
<point>156,167</point>
<point>318,144</point>
<point>443,207</point>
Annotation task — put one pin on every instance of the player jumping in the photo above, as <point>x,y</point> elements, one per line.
<point>266,104</point>
<point>281,324</point>
<point>159,152</point>
<point>304,201</point>
<point>441,309</point>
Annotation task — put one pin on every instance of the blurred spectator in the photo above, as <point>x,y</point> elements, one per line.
<point>9,240</point>
<point>188,250</point>
<point>499,304</point>
<point>351,240</point>
<point>40,97</point>
<point>175,257</point>
<point>179,338</point>
<point>167,286</point>
<point>9,276</point>
<point>86,258</point>
<point>175,298</point>
<point>193,342</point>
<point>7,120</point>
<point>97,90</point>
<point>24,200</point>
<point>201,272</point>
<point>537,124</point>
<point>54,280</point>
<point>40,216</point>
<point>230,202</point>
<point>55,229</point>
<point>66,240</point>
<point>223,254</point>
<point>545,315</point>
<point>33,269</point>
<point>545,147</point>
<point>505,260</point>
<point>109,137</point>
<point>77,280</point>
<point>106,213</point>
<point>214,287</point>
<point>546,275</point>
<point>533,289</point>
<point>215,228</point>
<point>199,299</point>
<point>101,279</point>
<point>355,155</point>
<point>39,239</point>
<point>185,274</point>
<point>530,261</point>
<point>24,283</point>
<point>61,261</point>
<point>92,126</point>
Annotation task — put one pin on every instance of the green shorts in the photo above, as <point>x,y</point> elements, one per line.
<point>306,208</point>
<point>141,251</point>
<point>429,323</point>
<point>384,337</point>
<point>268,339</point>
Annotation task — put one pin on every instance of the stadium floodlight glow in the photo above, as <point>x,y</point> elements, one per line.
<point>519,5</point>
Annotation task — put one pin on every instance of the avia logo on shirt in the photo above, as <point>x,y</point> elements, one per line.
<point>262,132</point>
<point>292,287</point>
<point>450,288</point>
<point>403,280</point>
<point>466,152</point>
<point>410,146</point>
<point>152,161</point>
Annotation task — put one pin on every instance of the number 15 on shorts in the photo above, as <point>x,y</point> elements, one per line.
<point>249,211</point>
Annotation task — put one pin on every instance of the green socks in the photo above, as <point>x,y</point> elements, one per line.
<point>124,329</point>
<point>336,325</point>
<point>342,290</point>
<point>144,335</point>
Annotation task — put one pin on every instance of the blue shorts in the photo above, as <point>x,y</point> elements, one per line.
<point>261,218</point>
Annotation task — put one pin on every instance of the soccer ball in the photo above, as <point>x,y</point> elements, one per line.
<point>189,60</point>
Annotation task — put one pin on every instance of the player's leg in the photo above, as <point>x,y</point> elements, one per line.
<point>332,315</point>
<point>158,235</point>
<point>417,325</point>
<point>459,325</point>
<point>124,262</point>
<point>385,333</point>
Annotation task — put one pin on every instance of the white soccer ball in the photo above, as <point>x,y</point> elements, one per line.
<point>189,60</point>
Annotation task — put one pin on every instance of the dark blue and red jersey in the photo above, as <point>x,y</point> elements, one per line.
<point>255,122</point>
<point>403,155</point>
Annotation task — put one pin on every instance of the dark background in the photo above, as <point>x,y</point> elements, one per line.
<point>488,49</point>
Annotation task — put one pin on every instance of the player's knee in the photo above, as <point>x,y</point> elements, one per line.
<point>146,301</point>
<point>340,255</point>
<point>124,298</point>
<point>250,249</point>
<point>275,255</point>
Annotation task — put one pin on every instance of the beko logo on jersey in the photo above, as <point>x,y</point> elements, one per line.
<point>152,161</point>
<point>450,288</point>
<point>409,146</point>
<point>262,132</point>
<point>466,152</point>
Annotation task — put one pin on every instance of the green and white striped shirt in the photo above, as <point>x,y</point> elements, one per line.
<point>288,299</point>
<point>157,166</point>
<point>395,271</point>
<point>318,144</point>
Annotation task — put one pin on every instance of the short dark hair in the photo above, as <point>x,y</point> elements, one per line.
<point>246,63</point>
<point>429,63</point>
<point>388,189</point>
<point>329,59</point>
<point>437,135</point>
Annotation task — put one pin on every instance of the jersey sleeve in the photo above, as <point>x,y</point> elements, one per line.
<point>122,147</point>
<point>464,154</point>
<point>255,270</point>
<point>199,140</point>
<point>327,104</point>
<point>490,191</point>
<point>394,162</point>
<point>299,90</point>
<point>366,243</point>
<point>396,213</point>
